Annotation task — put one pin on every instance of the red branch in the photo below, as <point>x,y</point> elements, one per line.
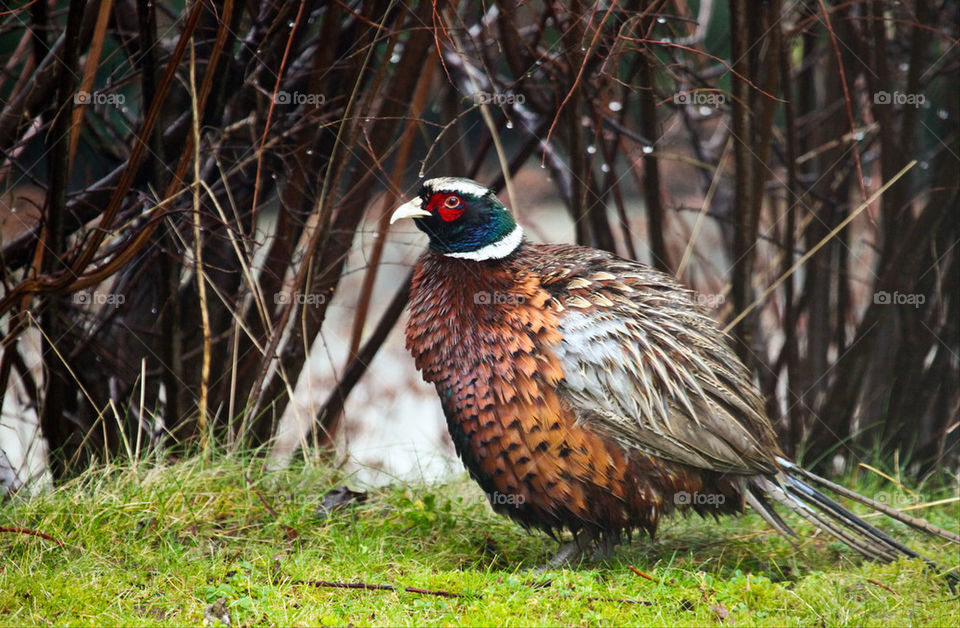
<point>42,535</point>
<point>641,574</point>
<point>846,97</point>
<point>882,586</point>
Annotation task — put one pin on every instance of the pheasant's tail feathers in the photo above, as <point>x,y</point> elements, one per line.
<point>914,522</point>
<point>793,489</point>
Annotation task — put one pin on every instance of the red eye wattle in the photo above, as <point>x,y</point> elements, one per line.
<point>448,206</point>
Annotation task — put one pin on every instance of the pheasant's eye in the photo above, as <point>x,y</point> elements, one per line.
<point>450,207</point>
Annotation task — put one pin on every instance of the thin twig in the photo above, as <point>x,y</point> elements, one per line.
<point>363,586</point>
<point>42,535</point>
<point>881,585</point>
<point>642,574</point>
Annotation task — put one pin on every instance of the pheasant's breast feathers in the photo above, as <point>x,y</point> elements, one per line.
<point>493,322</point>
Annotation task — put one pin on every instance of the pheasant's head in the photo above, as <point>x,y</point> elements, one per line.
<point>463,219</point>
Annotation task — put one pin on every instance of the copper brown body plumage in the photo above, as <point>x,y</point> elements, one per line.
<point>521,433</point>
<point>590,393</point>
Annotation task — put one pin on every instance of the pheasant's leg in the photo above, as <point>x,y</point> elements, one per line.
<point>604,548</point>
<point>571,552</point>
<point>568,554</point>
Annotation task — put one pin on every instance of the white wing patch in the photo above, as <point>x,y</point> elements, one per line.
<point>599,357</point>
<point>628,373</point>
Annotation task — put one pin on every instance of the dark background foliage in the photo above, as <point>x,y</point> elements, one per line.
<point>144,142</point>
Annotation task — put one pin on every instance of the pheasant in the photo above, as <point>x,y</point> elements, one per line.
<point>590,393</point>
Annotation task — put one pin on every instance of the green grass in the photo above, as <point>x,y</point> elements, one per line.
<point>159,545</point>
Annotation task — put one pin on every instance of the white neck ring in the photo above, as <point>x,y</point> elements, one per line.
<point>497,250</point>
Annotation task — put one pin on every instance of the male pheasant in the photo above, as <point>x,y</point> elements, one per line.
<point>590,393</point>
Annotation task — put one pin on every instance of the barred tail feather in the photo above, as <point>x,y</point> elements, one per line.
<point>756,497</point>
<point>792,489</point>
<point>914,522</point>
<point>815,516</point>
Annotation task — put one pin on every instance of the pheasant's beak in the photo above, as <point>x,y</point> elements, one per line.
<point>410,209</point>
